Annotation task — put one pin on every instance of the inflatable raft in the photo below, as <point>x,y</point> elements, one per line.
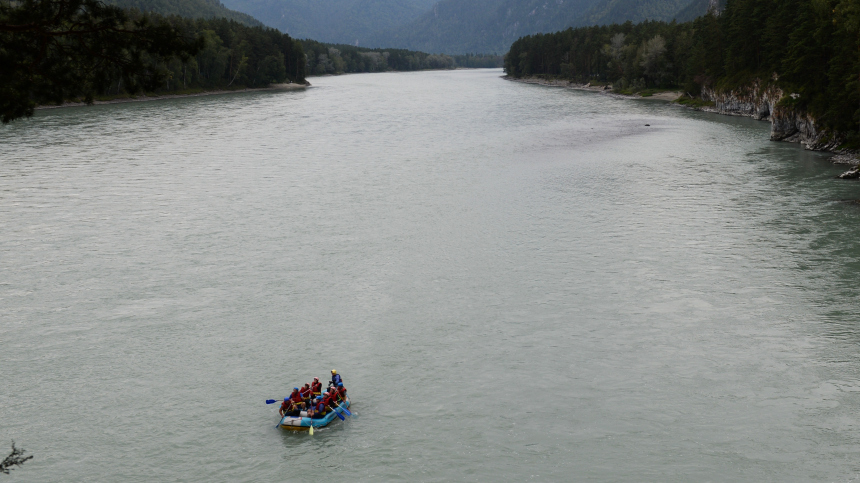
<point>303,423</point>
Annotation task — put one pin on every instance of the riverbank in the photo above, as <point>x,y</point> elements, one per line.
<point>659,95</point>
<point>145,98</point>
<point>762,110</point>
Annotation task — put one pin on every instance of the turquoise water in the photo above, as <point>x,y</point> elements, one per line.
<point>516,282</point>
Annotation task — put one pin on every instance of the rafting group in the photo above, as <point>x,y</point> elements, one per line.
<point>309,406</point>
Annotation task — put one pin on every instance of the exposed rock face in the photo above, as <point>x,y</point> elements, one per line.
<point>762,103</point>
<point>714,7</point>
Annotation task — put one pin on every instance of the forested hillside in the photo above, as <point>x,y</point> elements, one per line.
<point>235,55</point>
<point>337,21</point>
<point>344,59</point>
<point>187,8</point>
<point>83,50</point>
<point>809,48</point>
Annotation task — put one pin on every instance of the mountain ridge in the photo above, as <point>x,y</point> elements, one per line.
<point>491,26</point>
<point>334,21</point>
<point>189,8</point>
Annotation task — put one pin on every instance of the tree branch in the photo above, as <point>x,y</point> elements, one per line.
<point>15,458</point>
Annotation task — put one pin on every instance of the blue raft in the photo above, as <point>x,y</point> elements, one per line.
<point>303,423</point>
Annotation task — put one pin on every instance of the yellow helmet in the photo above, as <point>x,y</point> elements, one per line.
<point>333,371</point>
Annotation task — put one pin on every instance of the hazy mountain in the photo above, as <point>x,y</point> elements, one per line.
<point>336,21</point>
<point>461,26</point>
<point>450,26</point>
<point>698,8</point>
<point>188,8</point>
<point>620,11</point>
<point>491,26</point>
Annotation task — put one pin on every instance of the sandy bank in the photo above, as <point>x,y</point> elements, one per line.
<point>144,97</point>
<point>666,96</point>
<point>660,96</point>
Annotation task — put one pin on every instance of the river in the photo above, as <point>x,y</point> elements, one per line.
<point>517,283</point>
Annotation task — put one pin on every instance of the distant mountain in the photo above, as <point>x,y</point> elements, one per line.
<point>188,8</point>
<point>449,26</point>
<point>699,8</point>
<point>619,11</point>
<point>491,26</point>
<point>486,26</point>
<point>335,21</point>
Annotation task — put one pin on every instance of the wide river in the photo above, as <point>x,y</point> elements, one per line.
<point>518,283</point>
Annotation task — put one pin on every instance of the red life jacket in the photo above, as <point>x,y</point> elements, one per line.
<point>304,392</point>
<point>285,405</point>
<point>296,397</point>
<point>316,387</point>
<point>342,393</point>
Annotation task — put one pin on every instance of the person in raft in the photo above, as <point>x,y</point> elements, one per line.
<point>316,387</point>
<point>318,410</point>
<point>296,398</point>
<point>289,408</point>
<point>335,378</point>
<point>330,398</point>
<point>335,397</point>
<point>305,393</point>
<point>311,410</point>
<point>339,393</point>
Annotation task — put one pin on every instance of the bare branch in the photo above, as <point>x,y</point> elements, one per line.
<point>15,458</point>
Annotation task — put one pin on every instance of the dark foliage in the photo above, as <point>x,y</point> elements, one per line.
<point>59,50</point>
<point>338,59</point>
<point>810,48</point>
<point>341,59</point>
<point>15,458</point>
<point>52,50</point>
<point>187,8</point>
<point>479,61</point>
<point>235,55</point>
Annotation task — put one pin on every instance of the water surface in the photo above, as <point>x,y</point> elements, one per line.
<point>516,282</point>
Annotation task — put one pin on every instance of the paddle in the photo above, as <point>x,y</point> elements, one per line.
<point>339,414</point>
<point>344,410</point>
<point>272,401</point>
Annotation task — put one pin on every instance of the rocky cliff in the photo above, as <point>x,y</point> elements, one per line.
<point>763,103</point>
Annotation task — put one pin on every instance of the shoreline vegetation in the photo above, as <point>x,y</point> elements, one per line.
<point>673,95</point>
<point>158,96</point>
<point>791,62</point>
<point>334,59</point>
<point>85,50</point>
<point>152,96</point>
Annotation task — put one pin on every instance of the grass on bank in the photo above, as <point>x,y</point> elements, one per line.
<point>179,92</point>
